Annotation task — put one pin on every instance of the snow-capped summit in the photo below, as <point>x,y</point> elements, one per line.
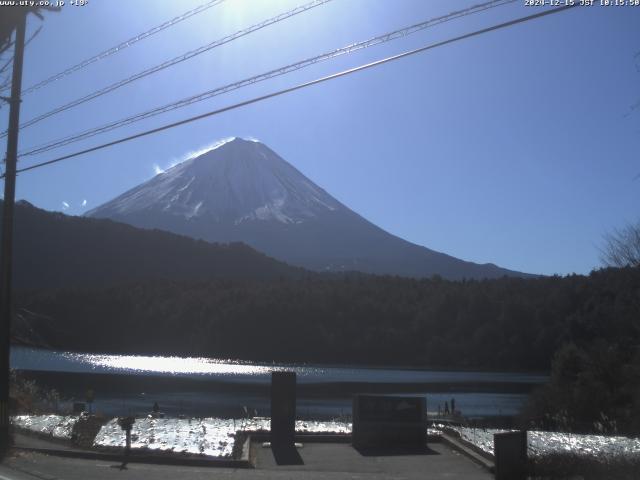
<point>241,190</point>
<point>235,181</point>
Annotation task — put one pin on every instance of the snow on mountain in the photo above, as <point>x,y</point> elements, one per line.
<point>236,181</point>
<point>241,190</point>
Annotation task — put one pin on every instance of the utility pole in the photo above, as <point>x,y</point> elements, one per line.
<point>6,247</point>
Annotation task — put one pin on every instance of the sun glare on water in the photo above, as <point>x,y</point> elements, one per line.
<point>173,365</point>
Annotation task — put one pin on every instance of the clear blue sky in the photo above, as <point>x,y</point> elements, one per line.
<point>513,148</point>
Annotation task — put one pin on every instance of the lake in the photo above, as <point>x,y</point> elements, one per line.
<point>125,384</point>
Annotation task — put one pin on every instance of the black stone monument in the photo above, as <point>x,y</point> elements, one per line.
<point>389,422</point>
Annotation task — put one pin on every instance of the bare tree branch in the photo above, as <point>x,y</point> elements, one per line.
<point>622,247</point>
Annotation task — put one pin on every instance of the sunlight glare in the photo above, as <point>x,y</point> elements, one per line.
<point>173,365</point>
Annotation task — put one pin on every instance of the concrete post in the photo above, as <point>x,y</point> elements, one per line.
<point>510,449</point>
<point>283,408</point>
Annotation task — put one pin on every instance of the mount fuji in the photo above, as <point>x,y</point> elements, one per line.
<point>241,190</point>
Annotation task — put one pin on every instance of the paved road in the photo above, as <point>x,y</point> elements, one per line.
<point>334,460</point>
<point>320,461</point>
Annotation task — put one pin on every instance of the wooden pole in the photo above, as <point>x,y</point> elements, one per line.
<point>6,247</point>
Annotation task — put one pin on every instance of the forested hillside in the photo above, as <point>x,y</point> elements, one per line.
<point>56,250</point>
<point>505,324</point>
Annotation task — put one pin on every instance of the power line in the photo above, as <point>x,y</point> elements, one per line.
<point>174,61</point>
<point>301,86</point>
<point>121,46</point>
<point>264,76</point>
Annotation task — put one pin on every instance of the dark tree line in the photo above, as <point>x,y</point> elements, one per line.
<point>506,323</point>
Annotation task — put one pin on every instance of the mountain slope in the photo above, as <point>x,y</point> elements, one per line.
<point>56,250</point>
<point>243,191</point>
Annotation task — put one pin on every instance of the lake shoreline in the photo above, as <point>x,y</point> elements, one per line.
<point>132,383</point>
<point>203,386</point>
